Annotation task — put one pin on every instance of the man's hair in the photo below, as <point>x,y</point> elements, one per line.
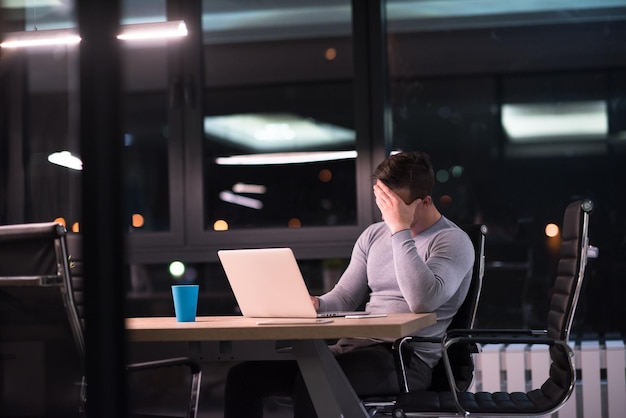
<point>408,169</point>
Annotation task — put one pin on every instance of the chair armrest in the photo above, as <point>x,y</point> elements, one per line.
<point>398,347</point>
<point>397,344</point>
<point>475,346</point>
<point>400,359</point>
<point>497,336</point>
<point>411,338</point>
<point>496,331</point>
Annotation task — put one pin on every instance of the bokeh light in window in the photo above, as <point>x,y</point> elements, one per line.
<point>220,225</point>
<point>552,230</point>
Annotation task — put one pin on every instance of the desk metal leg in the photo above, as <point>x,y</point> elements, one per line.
<point>328,386</point>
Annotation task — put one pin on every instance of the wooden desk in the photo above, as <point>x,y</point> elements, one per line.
<point>330,391</point>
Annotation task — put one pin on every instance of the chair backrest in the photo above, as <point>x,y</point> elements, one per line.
<point>465,316</point>
<point>571,268</point>
<point>37,310</point>
<point>570,273</point>
<point>461,355</point>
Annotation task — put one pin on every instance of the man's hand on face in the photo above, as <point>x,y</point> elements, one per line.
<point>396,213</point>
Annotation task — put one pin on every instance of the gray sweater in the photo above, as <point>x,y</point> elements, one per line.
<point>430,272</point>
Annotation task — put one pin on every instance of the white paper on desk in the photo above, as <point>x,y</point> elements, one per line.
<point>294,321</point>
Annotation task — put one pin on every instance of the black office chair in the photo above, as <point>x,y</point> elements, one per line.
<point>39,309</point>
<point>559,386</point>
<point>41,336</point>
<point>460,355</point>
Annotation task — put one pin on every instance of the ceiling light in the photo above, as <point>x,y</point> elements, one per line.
<point>66,159</point>
<point>286,158</point>
<point>249,202</point>
<point>20,4</point>
<point>156,30</point>
<point>139,31</point>
<point>40,38</point>
<point>537,122</point>
<point>276,132</point>
<point>249,188</point>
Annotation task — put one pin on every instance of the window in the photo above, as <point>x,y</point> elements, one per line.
<point>495,92</point>
<point>279,143</point>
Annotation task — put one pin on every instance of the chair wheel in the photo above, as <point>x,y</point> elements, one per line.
<point>398,413</point>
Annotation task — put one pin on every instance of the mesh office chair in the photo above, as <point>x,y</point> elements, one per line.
<point>39,310</point>
<point>559,386</point>
<point>460,355</point>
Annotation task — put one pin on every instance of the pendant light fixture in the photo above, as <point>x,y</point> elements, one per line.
<point>133,32</point>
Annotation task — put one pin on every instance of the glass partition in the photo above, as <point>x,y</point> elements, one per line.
<point>279,142</point>
<point>41,84</point>
<point>520,106</point>
<point>146,122</point>
<point>44,118</point>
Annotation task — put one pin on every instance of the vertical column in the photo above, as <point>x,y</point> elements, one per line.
<point>102,227</point>
<point>371,102</point>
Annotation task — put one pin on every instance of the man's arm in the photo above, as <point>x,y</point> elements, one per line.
<point>427,283</point>
<point>352,288</point>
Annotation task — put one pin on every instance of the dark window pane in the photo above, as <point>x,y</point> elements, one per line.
<point>521,112</point>
<point>279,139</point>
<point>146,175</point>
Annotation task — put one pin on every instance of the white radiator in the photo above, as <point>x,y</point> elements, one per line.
<point>600,388</point>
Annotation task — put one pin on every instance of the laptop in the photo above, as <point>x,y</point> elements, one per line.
<point>267,283</point>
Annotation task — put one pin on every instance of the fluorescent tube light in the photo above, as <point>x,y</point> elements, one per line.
<point>249,202</point>
<point>286,158</point>
<point>38,38</point>
<point>66,159</point>
<point>276,132</point>
<point>537,122</point>
<point>156,30</point>
<point>140,31</point>
<point>249,188</point>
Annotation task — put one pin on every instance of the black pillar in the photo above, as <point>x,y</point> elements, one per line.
<point>371,102</point>
<point>102,227</point>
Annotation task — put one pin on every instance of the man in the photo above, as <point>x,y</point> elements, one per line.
<point>415,260</point>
